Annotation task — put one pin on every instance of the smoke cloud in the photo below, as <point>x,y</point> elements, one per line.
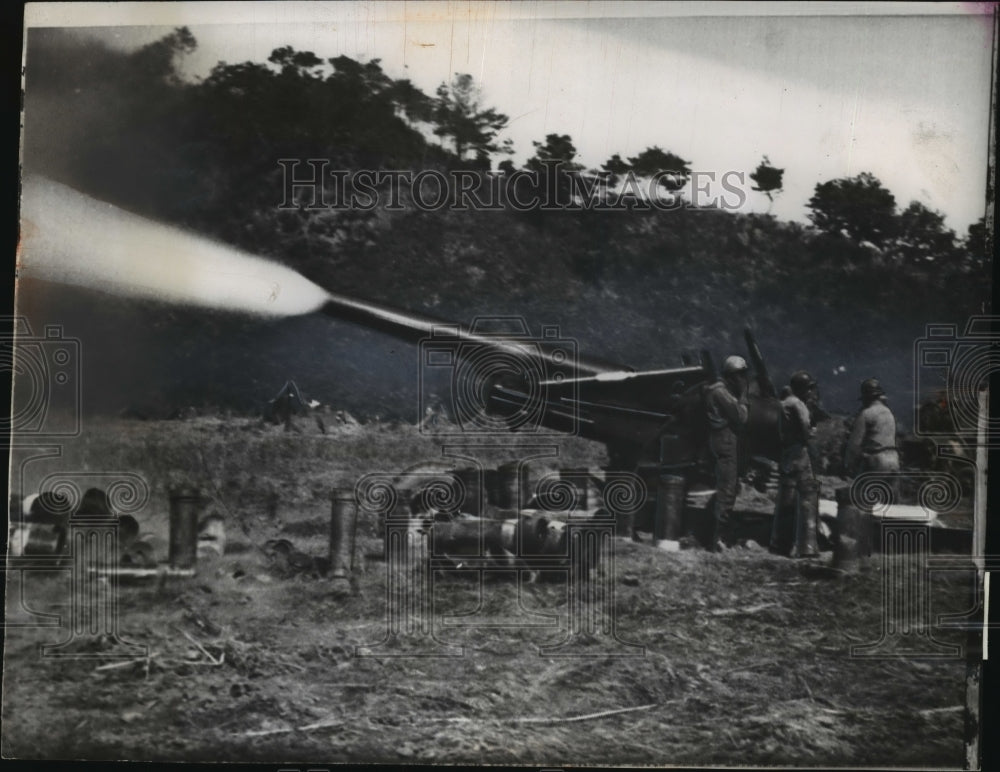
<point>71,238</point>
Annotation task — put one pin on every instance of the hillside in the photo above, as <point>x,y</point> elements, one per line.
<point>632,286</point>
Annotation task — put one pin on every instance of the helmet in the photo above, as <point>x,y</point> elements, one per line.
<point>801,382</point>
<point>871,389</point>
<point>734,364</point>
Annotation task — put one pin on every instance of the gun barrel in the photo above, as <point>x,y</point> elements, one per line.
<point>415,328</point>
<point>764,382</point>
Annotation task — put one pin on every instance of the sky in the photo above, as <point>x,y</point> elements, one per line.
<point>824,91</point>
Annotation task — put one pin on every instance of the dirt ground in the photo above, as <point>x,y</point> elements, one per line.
<point>720,659</point>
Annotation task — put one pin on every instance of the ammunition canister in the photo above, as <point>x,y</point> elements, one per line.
<point>42,539</point>
<point>94,502</point>
<point>128,531</point>
<point>532,532</point>
<point>510,535</point>
<point>467,537</point>
<point>47,524</point>
<point>512,485</point>
<point>786,509</point>
<point>852,533</point>
<point>625,525</point>
<point>669,508</point>
<point>212,535</point>
<point>185,507</point>
<point>342,514</point>
<point>806,522</point>
<point>556,539</point>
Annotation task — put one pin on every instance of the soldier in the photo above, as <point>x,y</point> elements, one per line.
<point>872,444</point>
<point>727,410</point>
<point>795,465</point>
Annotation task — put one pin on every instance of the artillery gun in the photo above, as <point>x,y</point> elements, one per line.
<point>652,422</point>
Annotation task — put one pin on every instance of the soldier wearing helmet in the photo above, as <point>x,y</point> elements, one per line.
<point>727,411</point>
<point>795,465</point>
<point>871,446</point>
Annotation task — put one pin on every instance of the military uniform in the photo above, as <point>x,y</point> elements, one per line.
<point>794,468</point>
<point>727,415</point>
<point>872,444</point>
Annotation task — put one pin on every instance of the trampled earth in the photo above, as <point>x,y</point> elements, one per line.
<point>720,659</point>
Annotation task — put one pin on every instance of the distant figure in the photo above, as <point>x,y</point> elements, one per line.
<point>795,466</point>
<point>727,410</point>
<point>286,403</point>
<point>289,403</point>
<point>872,444</point>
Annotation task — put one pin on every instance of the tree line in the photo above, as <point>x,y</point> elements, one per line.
<point>203,153</point>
